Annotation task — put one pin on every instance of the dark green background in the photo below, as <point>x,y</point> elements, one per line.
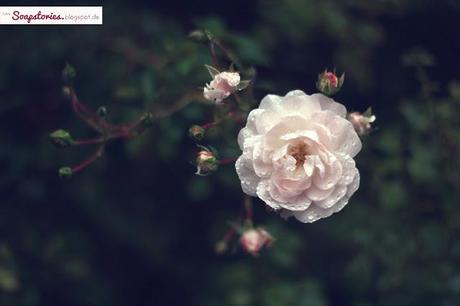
<point>138,228</point>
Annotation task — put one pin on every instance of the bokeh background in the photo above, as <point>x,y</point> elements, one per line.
<point>139,228</point>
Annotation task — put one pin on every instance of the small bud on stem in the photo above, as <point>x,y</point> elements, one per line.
<point>206,162</point>
<point>328,83</point>
<point>198,36</point>
<point>61,138</point>
<point>254,239</point>
<point>68,74</point>
<point>362,122</point>
<point>67,92</point>
<point>65,172</point>
<point>196,132</point>
<point>220,247</point>
<point>102,111</point>
<point>147,120</point>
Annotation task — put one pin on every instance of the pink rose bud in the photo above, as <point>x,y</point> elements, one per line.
<point>222,85</point>
<point>206,162</point>
<point>332,79</point>
<point>328,82</point>
<point>253,240</point>
<point>196,132</point>
<point>361,122</point>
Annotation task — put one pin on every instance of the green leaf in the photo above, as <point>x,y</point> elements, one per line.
<point>212,71</point>
<point>243,84</point>
<point>368,112</point>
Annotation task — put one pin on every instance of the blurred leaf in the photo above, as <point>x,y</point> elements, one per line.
<point>198,188</point>
<point>250,51</point>
<point>127,93</point>
<point>394,195</point>
<point>417,117</point>
<point>422,163</point>
<point>418,57</point>
<point>148,85</point>
<point>389,141</point>
<point>8,279</point>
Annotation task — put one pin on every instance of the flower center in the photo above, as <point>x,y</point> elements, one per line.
<point>299,152</point>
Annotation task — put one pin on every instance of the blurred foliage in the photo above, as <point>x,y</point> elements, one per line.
<point>138,228</point>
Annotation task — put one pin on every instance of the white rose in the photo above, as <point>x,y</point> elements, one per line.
<point>222,86</point>
<point>298,155</point>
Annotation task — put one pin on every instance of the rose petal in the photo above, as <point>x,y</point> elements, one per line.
<point>301,105</point>
<point>249,180</point>
<point>332,173</point>
<point>263,192</point>
<point>299,204</point>
<point>316,194</point>
<point>344,138</point>
<point>338,193</point>
<point>271,102</point>
<point>329,104</point>
<point>348,169</point>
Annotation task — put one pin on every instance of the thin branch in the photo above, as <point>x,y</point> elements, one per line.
<point>230,115</point>
<point>80,142</point>
<point>89,160</point>
<point>87,115</point>
<point>248,207</point>
<point>180,103</point>
<point>134,54</point>
<point>228,53</point>
<point>228,160</point>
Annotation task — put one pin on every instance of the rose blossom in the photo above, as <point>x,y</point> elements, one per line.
<point>298,155</point>
<point>222,86</point>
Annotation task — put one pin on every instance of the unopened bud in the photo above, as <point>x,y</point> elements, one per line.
<point>66,92</point>
<point>362,122</point>
<point>147,120</point>
<point>102,111</point>
<point>254,239</point>
<point>61,138</point>
<point>328,83</point>
<point>206,162</point>
<point>68,74</point>
<point>220,247</point>
<point>198,35</point>
<point>65,172</point>
<point>196,132</point>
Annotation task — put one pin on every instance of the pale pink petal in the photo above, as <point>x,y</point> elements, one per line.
<point>329,104</point>
<point>344,138</point>
<point>316,194</point>
<point>249,180</point>
<point>263,192</point>
<point>338,193</point>
<point>300,105</point>
<point>271,102</point>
